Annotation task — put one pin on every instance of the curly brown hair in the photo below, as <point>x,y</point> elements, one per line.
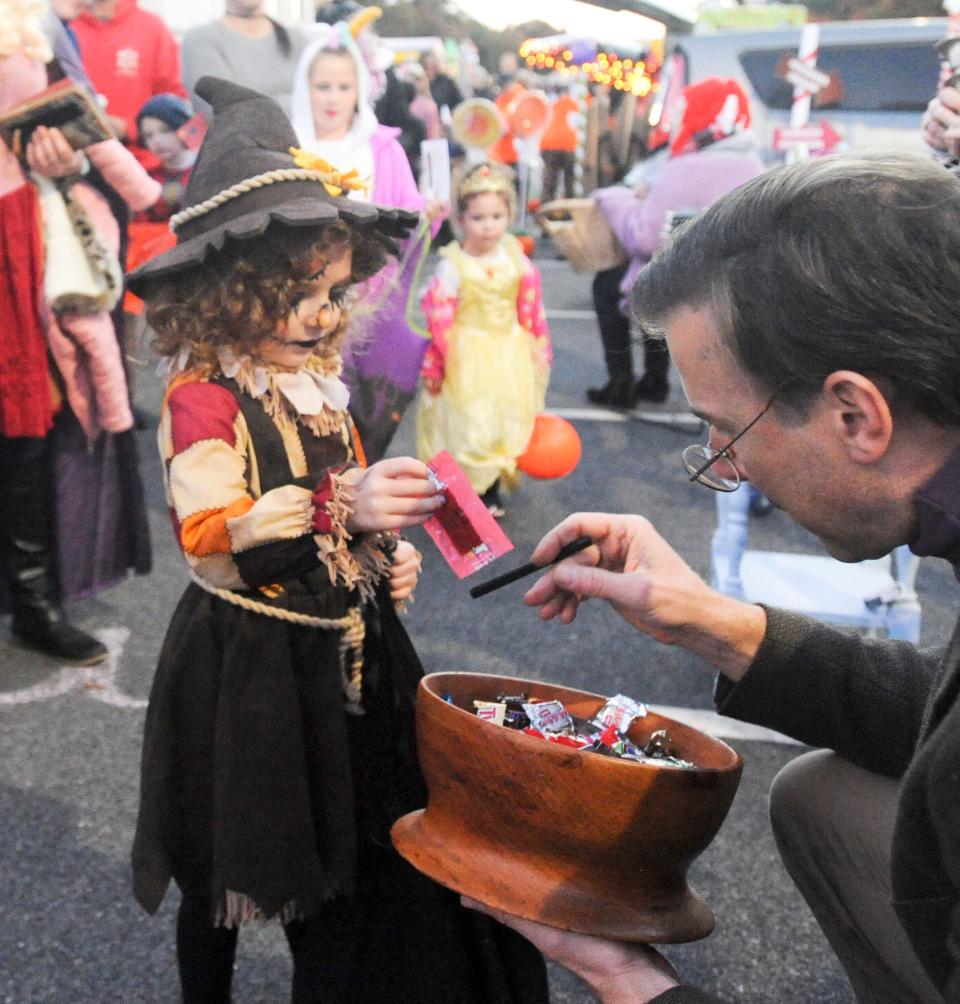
<point>238,296</point>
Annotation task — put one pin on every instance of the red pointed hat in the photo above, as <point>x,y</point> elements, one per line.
<point>715,106</point>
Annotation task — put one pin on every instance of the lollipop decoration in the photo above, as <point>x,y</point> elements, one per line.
<point>477,124</point>
<point>527,117</point>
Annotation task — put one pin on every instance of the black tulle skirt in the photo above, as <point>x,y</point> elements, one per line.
<point>255,780</point>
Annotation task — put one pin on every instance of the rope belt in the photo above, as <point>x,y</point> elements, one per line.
<point>351,642</point>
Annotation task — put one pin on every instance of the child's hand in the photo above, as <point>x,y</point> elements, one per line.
<point>433,385</point>
<point>437,210</point>
<point>405,571</point>
<point>50,155</point>
<point>390,495</point>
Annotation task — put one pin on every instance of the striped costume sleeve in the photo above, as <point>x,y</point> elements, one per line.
<point>230,535</point>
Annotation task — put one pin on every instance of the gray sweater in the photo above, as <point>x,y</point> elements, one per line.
<point>259,64</point>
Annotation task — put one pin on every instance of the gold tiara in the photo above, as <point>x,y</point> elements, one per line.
<point>486,178</point>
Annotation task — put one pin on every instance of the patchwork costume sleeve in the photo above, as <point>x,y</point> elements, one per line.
<point>231,536</point>
<point>440,301</point>
<point>530,309</point>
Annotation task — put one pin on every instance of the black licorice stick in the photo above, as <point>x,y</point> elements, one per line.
<point>574,547</point>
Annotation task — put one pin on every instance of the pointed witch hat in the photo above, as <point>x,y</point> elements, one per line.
<point>246,180</point>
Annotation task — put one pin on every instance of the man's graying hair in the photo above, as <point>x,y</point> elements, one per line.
<point>845,262</point>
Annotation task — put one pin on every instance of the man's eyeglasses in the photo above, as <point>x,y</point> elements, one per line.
<point>699,459</point>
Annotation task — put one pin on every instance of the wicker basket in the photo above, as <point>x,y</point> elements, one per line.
<point>582,234</point>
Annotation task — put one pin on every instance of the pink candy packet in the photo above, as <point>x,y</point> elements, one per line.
<point>467,535</point>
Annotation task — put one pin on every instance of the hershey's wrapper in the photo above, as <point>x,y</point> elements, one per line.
<point>549,716</point>
<point>490,711</point>
<point>620,712</point>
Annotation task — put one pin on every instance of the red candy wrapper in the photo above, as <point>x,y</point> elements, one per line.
<point>467,535</point>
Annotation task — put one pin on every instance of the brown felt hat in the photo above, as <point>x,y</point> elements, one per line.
<point>245,180</point>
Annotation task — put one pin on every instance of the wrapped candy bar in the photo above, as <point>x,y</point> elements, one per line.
<point>621,712</point>
<point>491,711</point>
<point>605,733</point>
<point>549,716</point>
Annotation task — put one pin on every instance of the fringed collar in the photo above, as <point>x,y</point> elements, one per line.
<point>314,395</point>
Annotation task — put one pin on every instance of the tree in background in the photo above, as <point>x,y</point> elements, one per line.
<point>404,18</point>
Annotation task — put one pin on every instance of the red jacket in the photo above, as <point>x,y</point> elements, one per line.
<point>129,58</point>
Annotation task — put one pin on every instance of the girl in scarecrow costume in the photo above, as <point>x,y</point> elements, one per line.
<point>71,503</point>
<point>279,741</point>
<point>332,113</point>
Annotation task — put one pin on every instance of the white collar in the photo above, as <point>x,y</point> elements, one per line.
<point>307,390</point>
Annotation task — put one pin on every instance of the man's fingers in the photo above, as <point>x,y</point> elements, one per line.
<point>584,581</point>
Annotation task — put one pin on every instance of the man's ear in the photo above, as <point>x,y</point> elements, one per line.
<point>859,414</point>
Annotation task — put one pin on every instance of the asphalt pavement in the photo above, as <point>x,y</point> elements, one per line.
<point>69,739</point>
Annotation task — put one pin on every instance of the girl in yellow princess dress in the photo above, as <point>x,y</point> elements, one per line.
<point>485,373</point>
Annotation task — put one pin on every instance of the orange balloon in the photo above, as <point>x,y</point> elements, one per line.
<point>554,448</point>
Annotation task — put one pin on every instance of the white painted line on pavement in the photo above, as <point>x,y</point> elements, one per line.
<point>570,315</point>
<point>591,414</point>
<point>721,726</point>
<point>59,683</point>
<point>98,682</point>
<point>683,421</point>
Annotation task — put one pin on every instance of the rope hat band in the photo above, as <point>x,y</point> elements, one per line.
<point>329,180</point>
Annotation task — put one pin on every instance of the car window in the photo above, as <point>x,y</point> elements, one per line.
<point>898,76</point>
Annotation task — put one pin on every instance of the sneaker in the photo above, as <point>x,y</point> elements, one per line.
<point>496,511</point>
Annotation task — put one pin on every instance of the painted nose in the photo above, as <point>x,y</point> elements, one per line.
<point>326,317</point>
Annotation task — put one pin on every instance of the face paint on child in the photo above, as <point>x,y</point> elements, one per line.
<point>333,94</point>
<point>315,317</point>
<point>484,222</point>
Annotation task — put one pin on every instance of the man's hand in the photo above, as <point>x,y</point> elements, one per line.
<point>390,495</point>
<point>649,585</point>
<point>618,973</point>
<point>941,121</point>
<point>51,156</point>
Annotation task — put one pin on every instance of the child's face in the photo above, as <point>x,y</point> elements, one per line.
<point>162,141</point>
<point>333,94</point>
<point>314,318</point>
<point>484,222</point>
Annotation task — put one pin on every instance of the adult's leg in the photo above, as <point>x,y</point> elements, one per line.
<point>205,953</point>
<point>323,950</point>
<point>28,555</point>
<point>654,385</point>
<point>569,174</point>
<point>549,175</point>
<point>615,336</point>
<point>833,823</point>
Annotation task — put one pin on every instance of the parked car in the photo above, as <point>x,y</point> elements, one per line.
<point>882,74</point>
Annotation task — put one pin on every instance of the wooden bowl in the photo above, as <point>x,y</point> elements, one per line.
<point>569,838</point>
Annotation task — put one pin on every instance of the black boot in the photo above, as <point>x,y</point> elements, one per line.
<point>618,393</point>
<point>654,385</point>
<point>616,338</point>
<point>27,559</point>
